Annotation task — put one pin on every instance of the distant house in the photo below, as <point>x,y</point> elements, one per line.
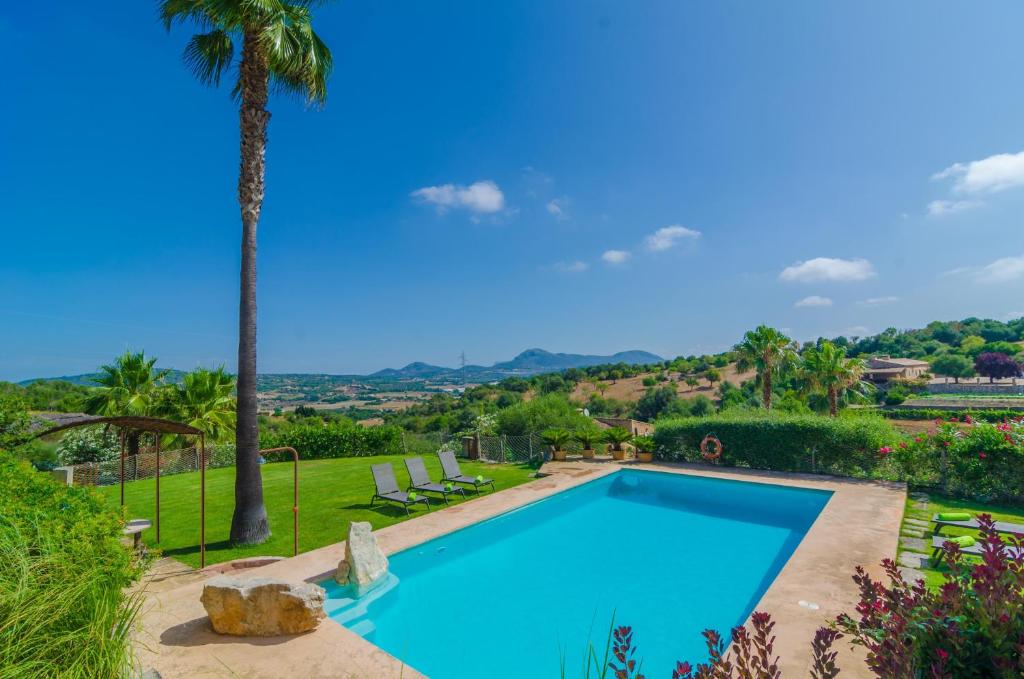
<point>885,369</point>
<point>635,427</point>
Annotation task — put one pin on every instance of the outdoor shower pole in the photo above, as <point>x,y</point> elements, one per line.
<point>295,498</point>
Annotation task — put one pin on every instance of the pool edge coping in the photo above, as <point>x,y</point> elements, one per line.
<point>326,649</point>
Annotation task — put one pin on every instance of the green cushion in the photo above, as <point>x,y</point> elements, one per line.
<point>413,496</point>
<point>954,516</point>
<point>449,486</point>
<point>963,541</point>
<point>480,478</point>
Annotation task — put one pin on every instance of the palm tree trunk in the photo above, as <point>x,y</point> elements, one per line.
<point>766,387</point>
<point>249,524</point>
<point>833,402</point>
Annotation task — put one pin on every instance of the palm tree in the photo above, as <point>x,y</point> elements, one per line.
<point>767,351</point>
<point>278,46</point>
<point>826,369</point>
<point>128,386</point>
<point>205,400</point>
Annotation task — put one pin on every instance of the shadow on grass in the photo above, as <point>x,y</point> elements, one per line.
<point>194,549</point>
<point>392,510</point>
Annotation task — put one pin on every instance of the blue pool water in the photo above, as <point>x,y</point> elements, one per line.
<point>668,554</point>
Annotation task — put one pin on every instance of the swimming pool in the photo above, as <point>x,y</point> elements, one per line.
<point>669,554</point>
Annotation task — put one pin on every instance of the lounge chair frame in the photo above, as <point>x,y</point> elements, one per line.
<point>386,488</point>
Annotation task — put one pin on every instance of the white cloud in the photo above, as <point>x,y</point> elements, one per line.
<point>1002,270</point>
<point>988,175</point>
<point>482,197</point>
<point>615,256</point>
<point>856,331</point>
<point>572,267</point>
<point>665,237</point>
<point>813,301</point>
<point>879,301</point>
<point>558,207</point>
<point>828,269</point>
<point>941,208</point>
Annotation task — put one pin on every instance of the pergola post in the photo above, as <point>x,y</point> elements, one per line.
<point>157,437</point>
<point>121,437</point>
<point>202,501</point>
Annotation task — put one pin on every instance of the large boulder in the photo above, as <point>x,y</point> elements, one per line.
<point>364,562</point>
<point>262,607</point>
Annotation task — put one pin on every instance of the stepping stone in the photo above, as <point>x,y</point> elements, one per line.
<point>911,533</point>
<point>916,544</point>
<point>913,560</point>
<point>917,522</point>
<point>923,506</point>
<point>919,496</point>
<point>911,574</point>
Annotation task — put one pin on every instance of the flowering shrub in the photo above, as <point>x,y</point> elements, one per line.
<point>973,626</point>
<point>971,459</point>
<point>88,444</point>
<point>970,628</point>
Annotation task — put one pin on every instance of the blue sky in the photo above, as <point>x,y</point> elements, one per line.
<point>580,176</point>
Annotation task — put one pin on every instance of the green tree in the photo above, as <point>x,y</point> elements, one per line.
<point>131,385</point>
<point>205,400</point>
<point>14,422</point>
<point>279,47</point>
<point>767,351</point>
<point>712,375</point>
<point>692,382</point>
<point>972,345</point>
<point>826,369</point>
<point>953,365</point>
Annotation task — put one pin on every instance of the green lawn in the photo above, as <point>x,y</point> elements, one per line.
<point>938,503</point>
<point>331,493</point>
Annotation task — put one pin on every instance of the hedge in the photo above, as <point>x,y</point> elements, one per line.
<point>989,415</point>
<point>320,441</point>
<point>780,442</point>
<point>63,573</point>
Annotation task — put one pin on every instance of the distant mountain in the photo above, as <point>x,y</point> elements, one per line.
<point>539,360</point>
<point>529,362</point>
<point>89,379</point>
<point>413,370</point>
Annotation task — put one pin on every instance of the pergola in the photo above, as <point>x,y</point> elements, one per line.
<point>154,425</point>
<point>147,425</point>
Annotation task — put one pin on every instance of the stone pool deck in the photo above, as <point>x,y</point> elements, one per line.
<point>860,525</point>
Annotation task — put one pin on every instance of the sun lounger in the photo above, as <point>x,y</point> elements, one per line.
<point>1001,526</point>
<point>419,480</point>
<point>387,488</point>
<point>975,549</point>
<point>451,472</point>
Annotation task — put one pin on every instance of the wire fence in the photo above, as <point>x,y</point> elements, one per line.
<point>143,465</point>
<point>517,449</point>
<point>498,449</point>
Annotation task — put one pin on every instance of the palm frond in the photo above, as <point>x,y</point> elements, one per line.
<point>183,11</point>
<point>208,55</point>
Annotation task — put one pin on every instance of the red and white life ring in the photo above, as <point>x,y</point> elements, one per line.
<point>713,441</point>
